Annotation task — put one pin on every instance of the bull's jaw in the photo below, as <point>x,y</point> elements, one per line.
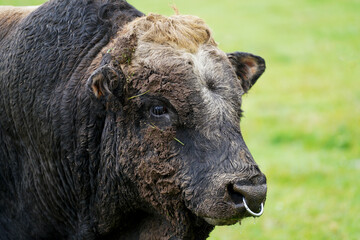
<point>163,213</point>
<point>153,227</point>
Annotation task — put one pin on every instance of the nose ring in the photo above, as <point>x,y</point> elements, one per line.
<point>251,212</point>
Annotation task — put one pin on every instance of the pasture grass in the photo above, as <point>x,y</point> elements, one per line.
<point>302,117</point>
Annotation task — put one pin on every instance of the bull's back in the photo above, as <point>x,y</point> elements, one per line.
<point>10,16</point>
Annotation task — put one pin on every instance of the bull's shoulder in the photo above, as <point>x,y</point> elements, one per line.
<point>10,16</point>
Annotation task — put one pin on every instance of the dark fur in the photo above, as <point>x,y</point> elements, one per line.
<point>49,136</point>
<point>73,166</point>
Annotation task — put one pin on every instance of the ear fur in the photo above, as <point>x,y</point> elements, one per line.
<point>105,81</point>
<point>248,68</point>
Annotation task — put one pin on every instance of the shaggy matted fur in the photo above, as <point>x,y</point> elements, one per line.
<point>185,32</point>
<point>117,125</point>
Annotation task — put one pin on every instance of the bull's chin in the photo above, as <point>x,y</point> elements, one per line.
<point>229,215</point>
<point>221,222</point>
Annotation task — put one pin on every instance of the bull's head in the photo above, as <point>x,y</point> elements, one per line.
<point>172,148</point>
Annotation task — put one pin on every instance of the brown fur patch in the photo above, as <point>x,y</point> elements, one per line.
<point>10,16</point>
<point>179,31</point>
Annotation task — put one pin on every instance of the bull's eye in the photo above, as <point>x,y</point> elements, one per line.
<point>158,110</point>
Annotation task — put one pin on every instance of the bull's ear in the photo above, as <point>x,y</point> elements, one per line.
<point>106,81</point>
<point>248,68</point>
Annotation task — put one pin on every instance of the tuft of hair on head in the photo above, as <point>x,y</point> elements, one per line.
<point>176,10</point>
<point>179,31</point>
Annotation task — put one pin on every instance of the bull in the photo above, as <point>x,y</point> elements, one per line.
<point>117,125</point>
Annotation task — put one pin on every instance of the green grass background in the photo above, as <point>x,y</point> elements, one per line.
<point>302,117</point>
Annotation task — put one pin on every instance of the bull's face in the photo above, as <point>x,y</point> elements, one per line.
<point>174,114</point>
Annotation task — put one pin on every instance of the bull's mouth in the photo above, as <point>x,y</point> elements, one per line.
<point>231,221</point>
<point>240,210</point>
<point>223,213</point>
<point>234,218</point>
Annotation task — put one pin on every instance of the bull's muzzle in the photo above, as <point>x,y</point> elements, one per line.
<point>249,196</point>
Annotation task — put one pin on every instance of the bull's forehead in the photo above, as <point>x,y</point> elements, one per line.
<point>204,80</point>
<point>219,88</point>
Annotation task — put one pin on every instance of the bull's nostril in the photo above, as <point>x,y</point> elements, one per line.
<point>247,196</point>
<point>235,196</point>
<point>253,194</point>
<point>259,180</point>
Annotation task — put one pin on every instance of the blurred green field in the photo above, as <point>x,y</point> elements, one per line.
<point>302,118</point>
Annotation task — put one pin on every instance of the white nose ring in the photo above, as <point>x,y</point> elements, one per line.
<point>251,212</point>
